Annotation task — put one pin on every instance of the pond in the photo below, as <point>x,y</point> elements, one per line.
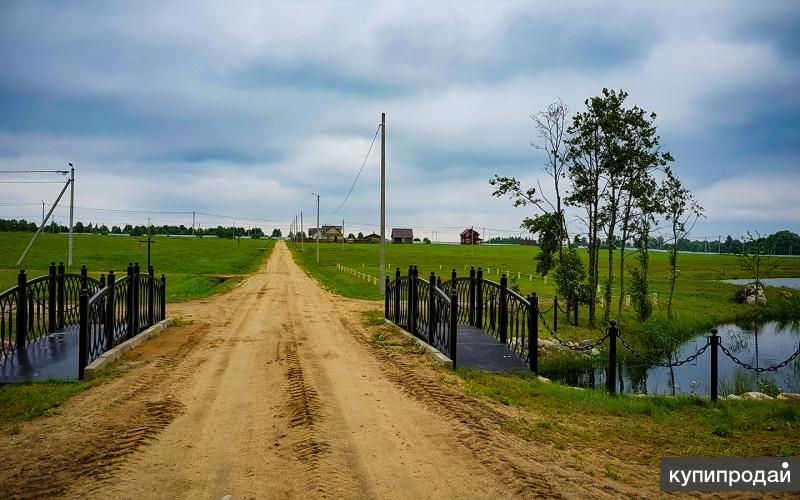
<point>785,282</point>
<point>759,345</point>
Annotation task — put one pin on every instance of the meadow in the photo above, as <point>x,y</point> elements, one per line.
<point>195,267</point>
<point>700,299</point>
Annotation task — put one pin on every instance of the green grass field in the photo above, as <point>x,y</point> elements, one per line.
<point>195,267</point>
<point>699,302</point>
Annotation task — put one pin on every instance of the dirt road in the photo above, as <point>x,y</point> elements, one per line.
<point>274,391</point>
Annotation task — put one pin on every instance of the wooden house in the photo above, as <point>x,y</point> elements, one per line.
<point>402,235</point>
<point>470,236</point>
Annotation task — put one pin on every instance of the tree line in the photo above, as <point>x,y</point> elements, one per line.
<point>21,225</point>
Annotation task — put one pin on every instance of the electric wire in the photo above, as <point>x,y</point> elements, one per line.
<point>359,171</point>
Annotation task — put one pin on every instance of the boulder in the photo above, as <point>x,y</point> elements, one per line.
<point>786,294</point>
<point>750,294</point>
<point>788,395</point>
<point>585,343</point>
<point>543,380</point>
<point>548,344</point>
<point>756,396</point>
<point>594,351</point>
<point>733,396</point>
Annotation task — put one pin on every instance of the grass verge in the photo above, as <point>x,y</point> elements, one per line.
<point>640,428</point>
<point>21,402</point>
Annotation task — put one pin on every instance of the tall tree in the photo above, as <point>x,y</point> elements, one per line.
<point>682,212</point>
<point>757,256</point>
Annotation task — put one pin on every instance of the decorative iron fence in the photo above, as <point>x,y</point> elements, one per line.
<point>118,312</point>
<point>422,308</point>
<point>106,312</point>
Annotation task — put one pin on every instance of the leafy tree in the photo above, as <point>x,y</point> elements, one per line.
<point>276,233</point>
<point>682,212</point>
<point>426,241</point>
<point>757,256</point>
<point>360,235</point>
<point>351,236</point>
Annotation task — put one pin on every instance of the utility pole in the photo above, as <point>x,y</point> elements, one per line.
<point>343,234</point>
<point>719,244</point>
<point>192,222</point>
<point>316,233</point>
<point>382,279</point>
<point>71,209</point>
<point>43,212</point>
<point>149,242</point>
<point>302,236</point>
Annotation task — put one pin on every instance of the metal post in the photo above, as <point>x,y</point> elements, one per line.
<point>22,309</point>
<point>555,314</point>
<point>109,324</point>
<point>83,335</point>
<point>51,298</point>
<point>136,299</point>
<point>432,320</point>
<point>453,277</point>
<point>611,378</point>
<point>533,327</point>
<point>502,310</point>
<point>84,277</point>
<point>383,197</point>
<point>163,297</point>
<point>129,299</point>
<point>479,298</point>
<point>412,300</point>
<point>714,341</point>
<point>472,295</point>
<point>71,210</point>
<point>453,326</point>
<point>397,296</point>
<point>151,289</point>
<point>61,297</point>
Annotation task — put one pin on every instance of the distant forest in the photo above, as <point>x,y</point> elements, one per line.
<point>22,225</point>
<point>782,243</point>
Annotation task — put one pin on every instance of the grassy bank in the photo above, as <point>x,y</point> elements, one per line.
<point>640,429</point>
<point>195,267</point>
<point>21,402</point>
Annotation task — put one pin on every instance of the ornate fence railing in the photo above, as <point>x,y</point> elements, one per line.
<point>105,312</point>
<point>422,308</point>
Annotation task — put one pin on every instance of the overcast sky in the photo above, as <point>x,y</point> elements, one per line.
<point>246,108</point>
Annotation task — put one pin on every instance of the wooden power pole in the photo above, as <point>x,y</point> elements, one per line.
<point>382,279</point>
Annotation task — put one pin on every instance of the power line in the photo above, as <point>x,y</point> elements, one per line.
<point>62,172</point>
<point>359,171</point>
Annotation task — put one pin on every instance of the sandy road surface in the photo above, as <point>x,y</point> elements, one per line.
<point>273,391</point>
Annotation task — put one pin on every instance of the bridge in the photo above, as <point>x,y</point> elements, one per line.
<point>476,322</point>
<point>53,326</point>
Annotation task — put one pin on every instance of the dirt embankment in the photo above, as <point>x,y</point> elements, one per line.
<point>274,390</point>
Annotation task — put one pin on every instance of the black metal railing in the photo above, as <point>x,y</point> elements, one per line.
<point>422,308</point>
<point>118,312</point>
<point>106,312</point>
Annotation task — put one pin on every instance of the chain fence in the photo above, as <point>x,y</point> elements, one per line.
<point>651,362</point>
<point>759,369</point>
<point>567,344</point>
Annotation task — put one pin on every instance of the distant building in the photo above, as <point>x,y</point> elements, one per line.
<point>402,235</point>
<point>470,236</point>
<point>372,238</point>
<point>331,234</point>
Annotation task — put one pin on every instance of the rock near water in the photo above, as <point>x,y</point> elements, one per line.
<point>750,294</point>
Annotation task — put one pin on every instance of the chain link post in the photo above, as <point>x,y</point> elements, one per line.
<point>163,296</point>
<point>611,377</point>
<point>714,342</point>
<point>555,313</point>
<point>84,277</point>
<point>397,296</point>
<point>386,298</point>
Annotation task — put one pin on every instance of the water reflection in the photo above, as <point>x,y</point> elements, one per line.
<point>758,345</point>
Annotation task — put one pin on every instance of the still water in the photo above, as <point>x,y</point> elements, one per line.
<point>786,282</point>
<point>759,345</point>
